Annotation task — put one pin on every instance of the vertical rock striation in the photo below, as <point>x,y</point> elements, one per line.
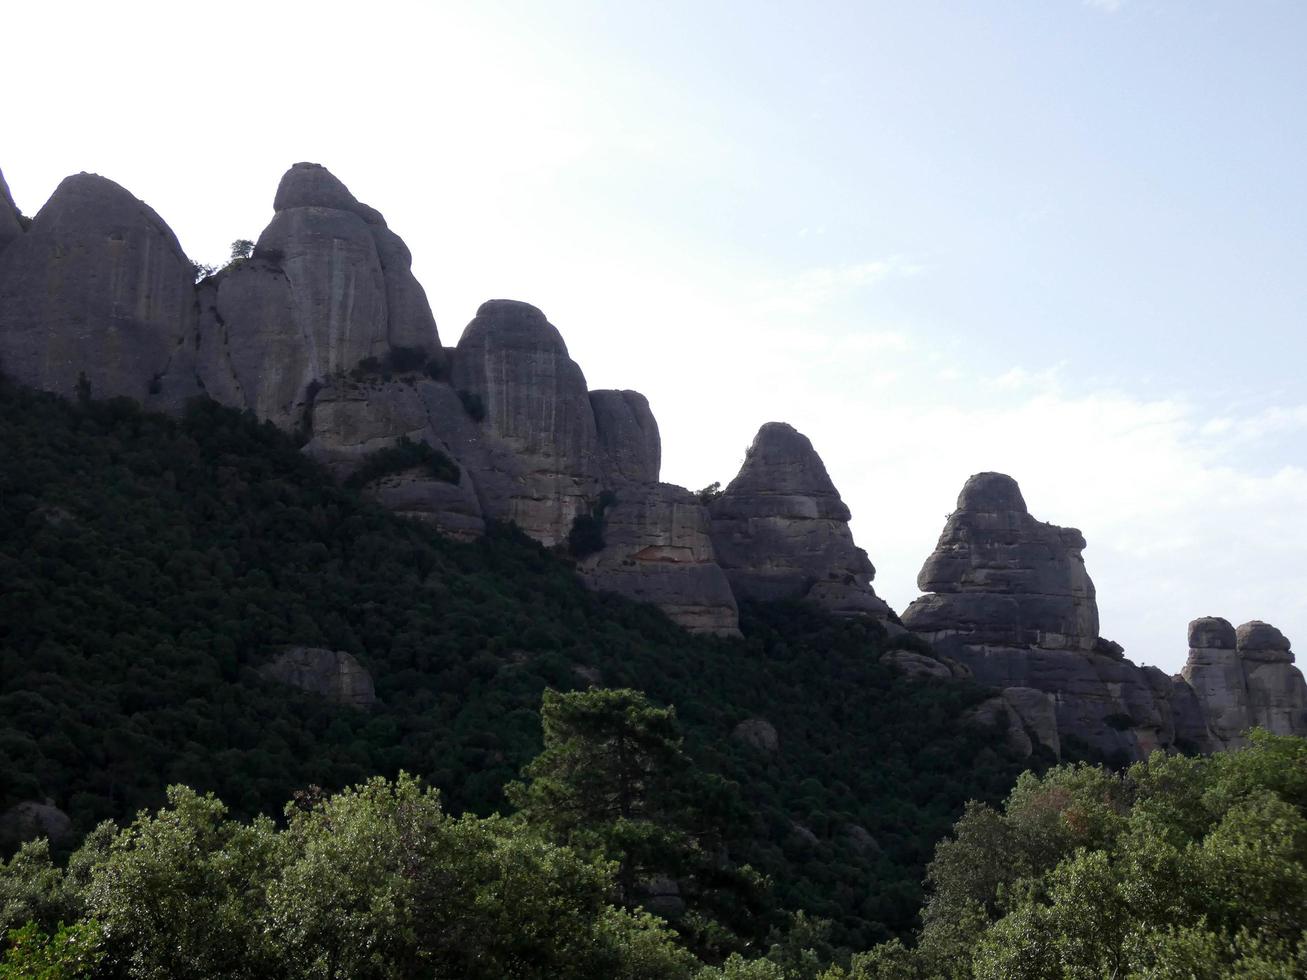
<point>97,287</point>
<point>781,530</point>
<point>1245,678</point>
<point>513,365</point>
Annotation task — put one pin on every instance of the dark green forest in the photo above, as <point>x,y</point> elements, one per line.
<point>149,565</point>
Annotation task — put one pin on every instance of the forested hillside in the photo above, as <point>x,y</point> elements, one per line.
<point>149,566</point>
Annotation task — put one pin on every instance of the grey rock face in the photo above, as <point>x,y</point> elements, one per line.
<point>781,530</point>
<point>409,322</point>
<point>10,227</point>
<point>311,185</point>
<point>1214,671</point>
<point>628,437</point>
<point>1037,713</point>
<point>339,290</point>
<point>1000,574</point>
<point>536,406</point>
<point>352,419</point>
<point>251,350</point>
<point>1013,602</point>
<point>333,674</point>
<point>1248,681</point>
<point>329,287</point>
<point>100,286</point>
<point>657,549</point>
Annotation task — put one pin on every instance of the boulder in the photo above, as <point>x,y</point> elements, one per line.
<point>627,432</point>
<point>657,549</point>
<point>996,711</point>
<point>1037,713</point>
<point>513,364</point>
<point>332,674</point>
<point>757,733</point>
<point>10,226</point>
<point>781,531</point>
<point>100,287</point>
<point>32,819</point>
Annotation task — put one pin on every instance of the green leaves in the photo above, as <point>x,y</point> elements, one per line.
<point>1181,868</point>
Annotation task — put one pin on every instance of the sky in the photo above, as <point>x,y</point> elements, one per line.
<point>1061,239</point>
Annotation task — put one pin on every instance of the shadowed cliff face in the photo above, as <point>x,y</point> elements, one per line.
<point>97,287</point>
<point>10,226</point>
<point>782,532</point>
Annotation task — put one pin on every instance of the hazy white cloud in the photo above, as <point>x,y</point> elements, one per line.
<point>809,290</point>
<point>1107,6</point>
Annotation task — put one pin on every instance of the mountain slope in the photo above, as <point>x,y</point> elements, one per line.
<point>149,566</point>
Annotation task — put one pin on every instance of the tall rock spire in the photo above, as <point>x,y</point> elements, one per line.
<point>781,530</point>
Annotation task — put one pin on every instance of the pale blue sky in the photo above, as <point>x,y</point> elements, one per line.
<point>1057,238</point>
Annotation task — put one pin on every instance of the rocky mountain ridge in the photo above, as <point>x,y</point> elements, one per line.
<point>324,330</point>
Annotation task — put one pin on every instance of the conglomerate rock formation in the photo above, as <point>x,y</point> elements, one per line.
<point>1010,598</point>
<point>1245,678</point>
<point>325,331</point>
<point>782,532</point>
<point>97,292</point>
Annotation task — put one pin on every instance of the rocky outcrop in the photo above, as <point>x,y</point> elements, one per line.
<point>757,733</point>
<point>350,420</point>
<point>512,364</point>
<point>1244,678</point>
<point>629,444</point>
<point>10,226</point>
<point>31,819</point>
<point>781,531</point>
<point>657,549</point>
<point>331,674</point>
<point>1028,716</point>
<point>1011,600</point>
<point>100,288</point>
<point>1000,576</point>
<point>327,292</point>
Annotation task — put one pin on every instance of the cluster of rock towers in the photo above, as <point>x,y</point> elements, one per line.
<point>325,331</point>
